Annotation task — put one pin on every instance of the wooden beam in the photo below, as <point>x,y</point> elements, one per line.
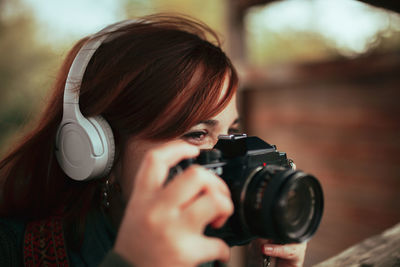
<point>386,4</point>
<point>244,4</point>
<point>380,250</point>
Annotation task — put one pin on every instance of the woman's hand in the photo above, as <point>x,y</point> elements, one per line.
<point>289,255</point>
<point>163,223</point>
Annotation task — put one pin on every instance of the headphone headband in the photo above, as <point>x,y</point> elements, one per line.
<point>78,67</point>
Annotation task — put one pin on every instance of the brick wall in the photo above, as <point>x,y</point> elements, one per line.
<point>341,122</point>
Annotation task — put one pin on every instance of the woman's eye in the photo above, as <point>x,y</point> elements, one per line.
<point>196,136</point>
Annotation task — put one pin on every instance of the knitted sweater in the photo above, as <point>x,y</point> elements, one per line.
<point>96,249</point>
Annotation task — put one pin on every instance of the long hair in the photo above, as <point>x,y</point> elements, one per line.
<point>155,78</point>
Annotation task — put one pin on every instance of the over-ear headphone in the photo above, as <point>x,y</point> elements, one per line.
<point>84,146</point>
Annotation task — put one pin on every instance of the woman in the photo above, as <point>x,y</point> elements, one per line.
<point>166,91</point>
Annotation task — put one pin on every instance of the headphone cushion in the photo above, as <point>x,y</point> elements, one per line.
<point>107,138</point>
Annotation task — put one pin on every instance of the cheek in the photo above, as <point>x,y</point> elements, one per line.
<point>129,167</point>
<point>130,163</point>
<point>209,142</point>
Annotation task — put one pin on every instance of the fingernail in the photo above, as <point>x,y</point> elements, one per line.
<point>268,249</point>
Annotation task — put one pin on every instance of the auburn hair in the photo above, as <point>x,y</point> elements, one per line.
<point>154,78</point>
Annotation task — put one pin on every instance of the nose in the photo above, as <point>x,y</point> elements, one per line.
<point>211,143</point>
<point>216,137</point>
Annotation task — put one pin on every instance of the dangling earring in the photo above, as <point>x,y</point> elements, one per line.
<point>106,193</point>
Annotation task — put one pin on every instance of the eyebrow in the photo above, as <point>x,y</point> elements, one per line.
<point>215,122</point>
<point>209,122</point>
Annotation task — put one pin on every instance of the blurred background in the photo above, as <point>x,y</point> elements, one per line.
<point>319,78</point>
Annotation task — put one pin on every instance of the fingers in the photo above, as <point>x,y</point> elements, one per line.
<point>214,249</point>
<point>294,252</point>
<point>157,162</point>
<point>175,211</point>
<point>210,208</point>
<point>203,197</point>
<point>194,181</point>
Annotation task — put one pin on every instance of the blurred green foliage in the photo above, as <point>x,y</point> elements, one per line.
<point>26,70</point>
<point>28,65</point>
<point>286,32</point>
<point>211,12</point>
<point>288,47</point>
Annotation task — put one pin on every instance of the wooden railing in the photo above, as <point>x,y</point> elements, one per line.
<point>378,251</point>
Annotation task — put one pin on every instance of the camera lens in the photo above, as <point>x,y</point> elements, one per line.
<point>283,204</point>
<point>298,210</point>
<point>292,204</point>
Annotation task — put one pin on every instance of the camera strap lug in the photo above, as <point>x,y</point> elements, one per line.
<point>266,260</point>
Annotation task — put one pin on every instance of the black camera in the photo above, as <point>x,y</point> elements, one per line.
<point>271,199</point>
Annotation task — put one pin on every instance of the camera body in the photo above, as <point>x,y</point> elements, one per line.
<point>271,199</point>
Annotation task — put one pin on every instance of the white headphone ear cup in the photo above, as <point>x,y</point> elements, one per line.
<point>107,139</point>
<point>85,148</point>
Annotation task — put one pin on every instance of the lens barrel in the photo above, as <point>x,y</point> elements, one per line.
<point>282,204</point>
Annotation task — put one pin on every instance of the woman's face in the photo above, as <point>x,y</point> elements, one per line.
<point>204,135</point>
